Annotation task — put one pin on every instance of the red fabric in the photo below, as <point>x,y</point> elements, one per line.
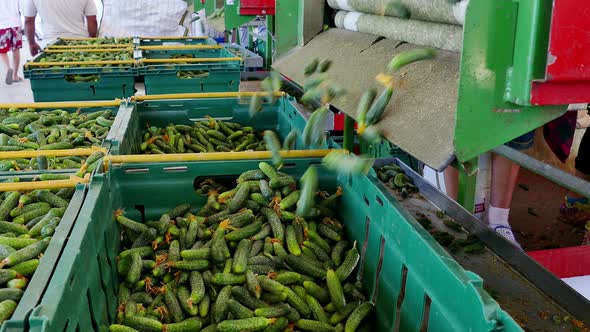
<point>10,39</point>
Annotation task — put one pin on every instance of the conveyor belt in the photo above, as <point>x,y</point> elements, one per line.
<point>421,117</point>
<point>533,296</point>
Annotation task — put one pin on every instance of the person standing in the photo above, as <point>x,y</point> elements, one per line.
<point>60,18</point>
<point>10,38</point>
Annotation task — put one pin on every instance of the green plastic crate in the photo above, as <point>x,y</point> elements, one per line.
<point>221,76</point>
<point>411,279</point>
<point>50,84</point>
<point>282,117</point>
<point>38,283</point>
<point>107,142</point>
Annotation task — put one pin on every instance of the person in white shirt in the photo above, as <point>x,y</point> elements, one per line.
<point>60,18</point>
<point>10,38</point>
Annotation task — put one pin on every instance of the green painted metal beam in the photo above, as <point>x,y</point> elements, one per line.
<point>209,6</point>
<point>484,118</point>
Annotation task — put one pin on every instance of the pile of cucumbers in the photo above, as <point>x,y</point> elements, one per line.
<point>203,136</point>
<point>395,177</point>
<point>69,56</point>
<point>25,129</point>
<point>27,222</point>
<point>98,41</point>
<point>244,262</point>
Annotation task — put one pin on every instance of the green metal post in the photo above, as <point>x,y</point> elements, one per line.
<point>270,23</point>
<point>348,133</point>
<point>467,184</point>
<point>238,38</point>
<point>250,38</point>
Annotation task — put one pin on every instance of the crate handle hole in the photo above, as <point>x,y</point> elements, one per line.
<point>136,170</point>
<point>66,325</point>
<point>379,200</point>
<point>400,299</point>
<point>366,200</point>
<point>350,180</point>
<point>379,267</point>
<point>359,276</point>
<point>93,90</point>
<point>426,316</point>
<point>289,165</point>
<point>92,317</point>
<point>141,209</point>
<point>175,169</point>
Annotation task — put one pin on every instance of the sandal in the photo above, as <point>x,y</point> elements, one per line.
<point>9,75</point>
<point>506,232</point>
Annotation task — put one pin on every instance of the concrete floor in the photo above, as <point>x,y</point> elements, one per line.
<point>16,92</point>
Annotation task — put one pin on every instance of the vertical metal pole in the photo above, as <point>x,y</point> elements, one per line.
<point>348,133</point>
<point>250,38</point>
<point>270,23</point>
<point>238,38</point>
<point>467,184</point>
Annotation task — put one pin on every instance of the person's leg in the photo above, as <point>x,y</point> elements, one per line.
<point>451,175</point>
<point>5,45</point>
<point>17,44</point>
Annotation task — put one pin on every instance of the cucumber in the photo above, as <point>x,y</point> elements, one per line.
<point>188,325</point>
<point>349,264</point>
<point>17,211</point>
<point>142,251</point>
<point>314,325</point>
<point>143,324</point>
<point>272,311</point>
<point>131,224</point>
<point>13,294</point>
<point>5,251</point>
<point>196,254</point>
<point>245,325</point>
<point>338,251</point>
<point>238,310</point>
<point>57,146</point>
<point>311,67</point>
<point>7,308</point>
<point>9,203</point>
<point>316,309</point>
<point>240,259</point>
<point>242,295</point>
<point>238,200</point>
<point>244,232</point>
<point>121,328</point>
<point>288,278</point>
<point>134,271</point>
<point>279,325</point>
<point>275,223</point>
<point>26,217</point>
<point>204,306</point>
<point>291,239</point>
<point>178,211</point>
<point>335,290</point>
<point>297,302</point>
<point>253,284</point>
<point>340,316</point>
<point>407,57</point>
<point>303,265</point>
<point>220,308</point>
<point>8,227</point>
<point>26,268</point>
<point>53,177</point>
<point>7,275</point>
<point>191,265</point>
<point>223,279</point>
<point>174,309</point>
<point>197,287</point>
<point>27,253</point>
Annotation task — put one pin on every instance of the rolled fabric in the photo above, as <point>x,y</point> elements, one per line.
<point>443,36</point>
<point>438,11</point>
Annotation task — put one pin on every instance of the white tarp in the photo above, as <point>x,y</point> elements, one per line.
<point>143,18</point>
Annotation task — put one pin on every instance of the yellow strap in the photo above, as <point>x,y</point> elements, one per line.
<point>212,156</point>
<point>76,63</point>
<point>65,47</point>
<point>56,184</point>
<point>51,153</point>
<point>190,60</point>
<point>205,95</point>
<point>172,38</point>
<point>65,104</point>
<point>89,50</point>
<point>181,47</point>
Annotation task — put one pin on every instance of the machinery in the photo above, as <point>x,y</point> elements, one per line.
<point>520,65</point>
